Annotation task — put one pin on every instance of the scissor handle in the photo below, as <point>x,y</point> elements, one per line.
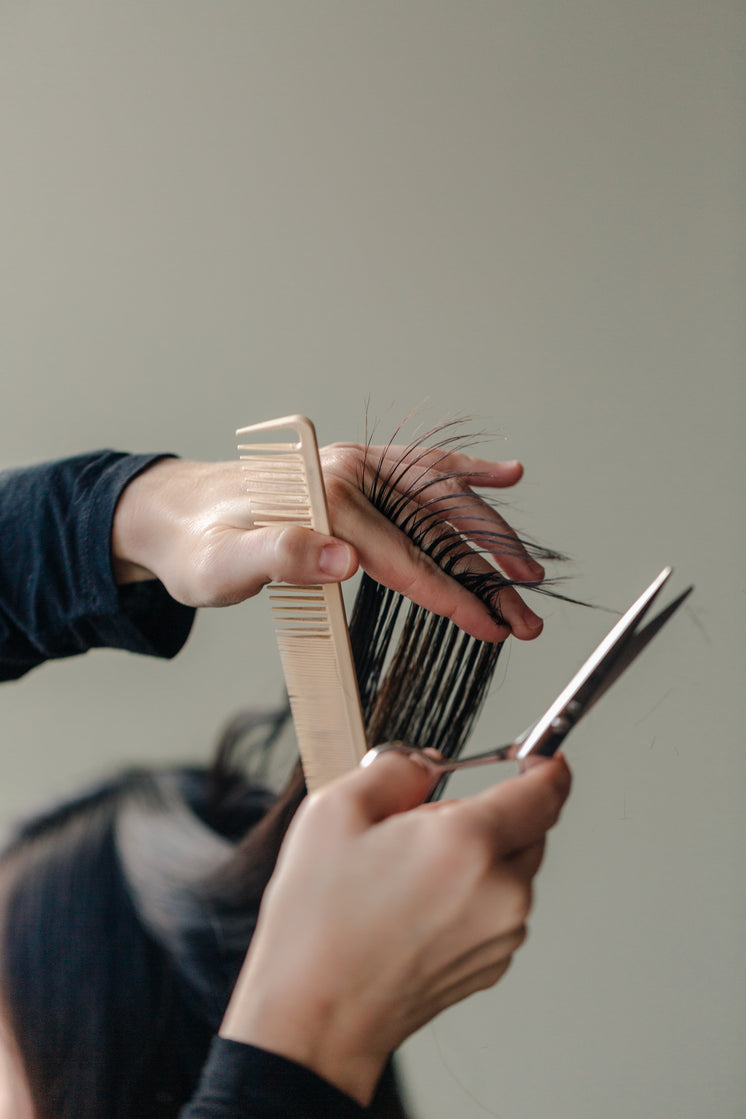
<point>440,766</point>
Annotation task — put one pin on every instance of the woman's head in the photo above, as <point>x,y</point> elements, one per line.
<point>118,945</point>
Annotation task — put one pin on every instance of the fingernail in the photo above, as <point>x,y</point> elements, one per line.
<point>537,571</point>
<point>531,620</point>
<point>335,560</point>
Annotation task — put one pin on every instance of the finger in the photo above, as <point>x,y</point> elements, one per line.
<point>524,623</point>
<point>518,812</point>
<point>391,783</point>
<point>300,555</point>
<point>438,487</point>
<point>237,564</point>
<point>391,558</point>
<point>487,531</point>
<point>495,949</point>
<point>526,863</point>
<point>475,471</point>
<point>473,980</point>
<point>491,921</point>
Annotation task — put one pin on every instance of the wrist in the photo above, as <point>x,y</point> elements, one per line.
<point>133,526</point>
<point>315,1032</point>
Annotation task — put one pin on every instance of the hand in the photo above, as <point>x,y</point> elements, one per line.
<point>189,524</point>
<point>383,911</point>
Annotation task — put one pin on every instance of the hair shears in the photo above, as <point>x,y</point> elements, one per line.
<point>622,645</point>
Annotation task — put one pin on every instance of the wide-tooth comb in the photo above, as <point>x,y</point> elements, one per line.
<point>286,486</point>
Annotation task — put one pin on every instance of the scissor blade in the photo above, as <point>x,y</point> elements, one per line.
<point>634,646</point>
<point>548,732</point>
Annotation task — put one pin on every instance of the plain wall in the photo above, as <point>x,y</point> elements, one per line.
<point>530,212</point>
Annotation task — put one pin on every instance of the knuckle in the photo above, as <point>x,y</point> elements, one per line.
<point>556,792</point>
<point>425,580</point>
<point>548,796</point>
<point>337,490</point>
<point>289,551</point>
<point>468,844</point>
<point>520,936</point>
<point>523,900</point>
<point>492,975</point>
<point>419,567</point>
<point>515,904</point>
<point>316,807</point>
<point>324,811</point>
<point>445,849</point>
<point>341,464</point>
<point>341,452</point>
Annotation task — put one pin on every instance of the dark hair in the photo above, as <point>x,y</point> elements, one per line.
<point>126,918</point>
<point>159,875</point>
<point>105,994</point>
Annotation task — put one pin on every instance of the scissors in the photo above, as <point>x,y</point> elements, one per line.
<point>624,642</point>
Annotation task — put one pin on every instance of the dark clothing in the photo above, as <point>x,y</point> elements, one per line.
<point>57,593</point>
<point>58,598</point>
<point>241,1082</point>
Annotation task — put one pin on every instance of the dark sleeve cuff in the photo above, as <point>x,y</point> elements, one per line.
<point>242,1082</point>
<point>58,596</point>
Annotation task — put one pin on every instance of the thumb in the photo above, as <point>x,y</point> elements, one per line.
<point>291,554</point>
<point>392,783</point>
<point>519,811</point>
<point>241,561</point>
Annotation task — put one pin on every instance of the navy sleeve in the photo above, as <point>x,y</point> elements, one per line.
<point>242,1082</point>
<point>57,591</point>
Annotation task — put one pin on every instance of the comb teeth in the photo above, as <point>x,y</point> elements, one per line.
<point>313,675</point>
<point>278,486</point>
<point>286,487</point>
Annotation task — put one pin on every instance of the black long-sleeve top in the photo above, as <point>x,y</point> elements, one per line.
<point>57,592</point>
<point>58,598</point>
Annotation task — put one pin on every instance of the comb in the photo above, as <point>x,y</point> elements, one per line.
<point>286,486</point>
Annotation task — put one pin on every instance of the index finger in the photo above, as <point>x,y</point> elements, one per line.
<point>518,812</point>
<point>392,559</point>
<point>437,485</point>
<point>475,471</point>
<point>377,496</point>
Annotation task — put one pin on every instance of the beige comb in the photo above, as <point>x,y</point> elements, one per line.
<point>286,486</point>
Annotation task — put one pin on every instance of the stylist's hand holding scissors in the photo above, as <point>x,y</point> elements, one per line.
<point>383,911</point>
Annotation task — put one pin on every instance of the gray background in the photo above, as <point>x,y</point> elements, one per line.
<point>531,212</point>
